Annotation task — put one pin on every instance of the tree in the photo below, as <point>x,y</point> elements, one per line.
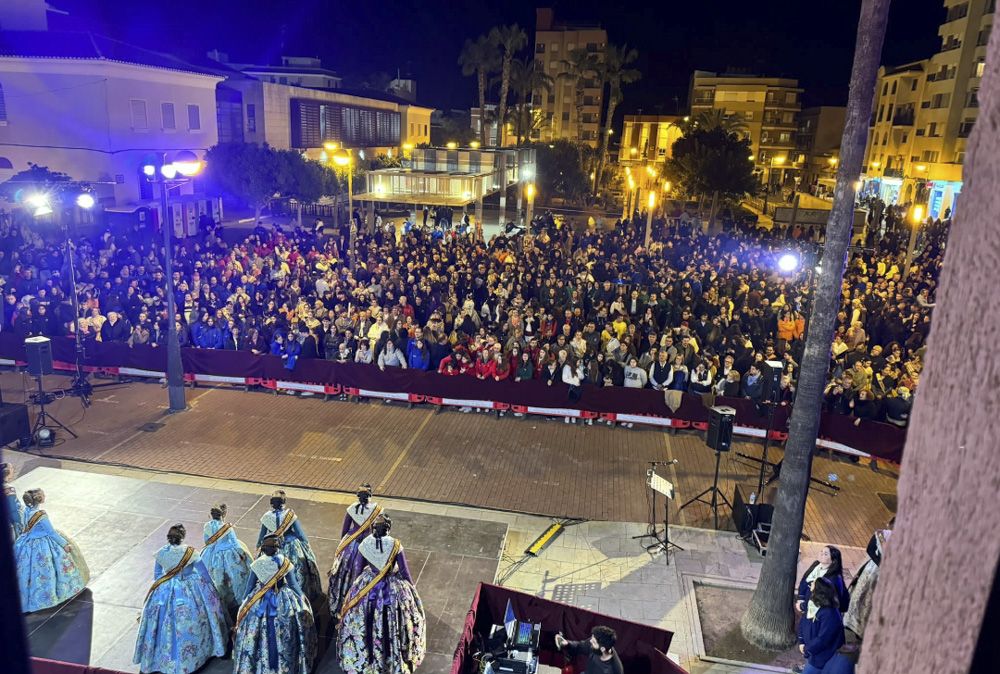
<point>560,170</point>
<point>768,622</point>
<point>579,66</point>
<point>510,40</point>
<point>613,72</point>
<point>246,172</point>
<point>479,57</point>
<point>384,161</point>
<point>455,129</point>
<point>712,162</point>
<point>730,122</point>
<point>527,78</point>
<point>303,180</point>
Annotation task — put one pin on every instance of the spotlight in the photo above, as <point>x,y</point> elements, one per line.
<point>149,170</point>
<point>85,201</point>
<point>169,171</point>
<point>38,200</point>
<point>788,262</point>
<point>45,437</point>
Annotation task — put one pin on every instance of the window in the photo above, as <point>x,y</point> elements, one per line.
<point>555,48</point>
<point>790,97</point>
<point>913,87</point>
<point>959,157</point>
<point>167,115</point>
<point>425,129</point>
<point>932,130</point>
<point>881,112</point>
<point>194,118</point>
<point>138,110</point>
<point>282,80</point>
<point>540,48</point>
<point>930,156</point>
<point>591,47</point>
<point>3,108</point>
<point>980,67</point>
<point>973,100</point>
<point>905,136</point>
<point>565,117</point>
<point>894,83</point>
<point>885,88</point>
<point>251,118</point>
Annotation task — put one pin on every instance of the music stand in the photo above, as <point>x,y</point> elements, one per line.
<point>661,486</point>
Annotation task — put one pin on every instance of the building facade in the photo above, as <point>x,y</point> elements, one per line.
<point>769,106</point>
<point>570,112</point>
<point>97,109</point>
<point>299,71</point>
<point>924,112</point>
<point>818,147</point>
<point>648,139</point>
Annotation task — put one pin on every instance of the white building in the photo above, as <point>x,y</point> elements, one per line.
<point>96,109</point>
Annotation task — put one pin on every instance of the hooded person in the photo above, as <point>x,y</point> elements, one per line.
<point>348,562</point>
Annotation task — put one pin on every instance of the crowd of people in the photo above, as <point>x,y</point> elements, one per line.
<point>259,606</point>
<point>569,304</point>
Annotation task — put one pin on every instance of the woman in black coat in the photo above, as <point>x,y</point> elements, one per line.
<point>821,630</point>
<point>828,565</point>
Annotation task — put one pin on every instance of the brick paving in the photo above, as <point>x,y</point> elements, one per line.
<point>530,465</point>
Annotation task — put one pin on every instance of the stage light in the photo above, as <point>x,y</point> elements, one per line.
<point>149,170</point>
<point>169,171</point>
<point>85,201</point>
<point>788,262</point>
<point>42,210</point>
<point>45,437</point>
<point>187,163</point>
<point>37,200</point>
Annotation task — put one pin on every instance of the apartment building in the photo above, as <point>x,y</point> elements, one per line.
<point>924,112</point>
<point>768,105</point>
<point>648,139</point>
<point>570,111</point>
<point>818,147</point>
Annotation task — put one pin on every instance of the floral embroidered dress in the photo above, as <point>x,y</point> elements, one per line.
<point>183,621</point>
<point>275,631</point>
<point>382,623</point>
<point>47,573</point>
<point>357,524</point>
<point>295,546</point>
<point>228,562</point>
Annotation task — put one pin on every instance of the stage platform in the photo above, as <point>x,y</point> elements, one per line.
<point>120,522</point>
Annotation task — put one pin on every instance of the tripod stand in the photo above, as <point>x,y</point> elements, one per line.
<point>45,419</point>
<point>714,491</point>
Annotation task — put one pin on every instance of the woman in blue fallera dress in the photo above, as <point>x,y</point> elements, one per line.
<point>281,521</point>
<point>14,508</point>
<point>275,628</point>
<point>226,558</point>
<point>183,621</point>
<point>382,623</point>
<point>357,524</point>
<point>50,568</point>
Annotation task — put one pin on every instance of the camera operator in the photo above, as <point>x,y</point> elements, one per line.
<point>602,658</point>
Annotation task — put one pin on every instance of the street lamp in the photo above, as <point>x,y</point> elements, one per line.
<point>451,145</point>
<point>916,219</point>
<point>649,217</point>
<point>344,158</point>
<point>529,192</point>
<point>164,174</point>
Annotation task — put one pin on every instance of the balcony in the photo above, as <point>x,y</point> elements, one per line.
<point>903,118</point>
<point>893,173</point>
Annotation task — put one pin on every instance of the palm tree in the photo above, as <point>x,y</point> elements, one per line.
<point>730,122</point>
<point>479,57</point>
<point>510,40</point>
<point>579,66</point>
<point>527,78</point>
<point>768,622</point>
<point>613,72</point>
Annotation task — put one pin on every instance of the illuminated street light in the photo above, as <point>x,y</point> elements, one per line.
<point>85,201</point>
<point>788,262</point>
<point>651,202</point>
<point>187,164</point>
<point>451,145</point>
<point>832,161</point>
<point>666,186</point>
<point>407,146</point>
<point>329,145</point>
<point>876,164</point>
<point>921,167</point>
<point>529,191</point>
<point>474,145</point>
<point>780,160</point>
<point>633,151</point>
<point>916,219</point>
<point>917,214</point>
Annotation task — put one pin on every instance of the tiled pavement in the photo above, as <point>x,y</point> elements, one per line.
<point>595,565</point>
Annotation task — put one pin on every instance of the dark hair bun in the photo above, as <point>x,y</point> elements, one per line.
<point>176,534</point>
<point>219,511</point>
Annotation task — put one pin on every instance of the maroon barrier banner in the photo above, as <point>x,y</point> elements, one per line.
<point>642,648</point>
<point>879,439</point>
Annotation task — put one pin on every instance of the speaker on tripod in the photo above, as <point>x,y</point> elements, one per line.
<point>719,437</point>
<point>38,352</point>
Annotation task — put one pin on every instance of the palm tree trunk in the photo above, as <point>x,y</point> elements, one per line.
<point>504,91</point>
<point>768,622</point>
<point>605,136</point>
<point>482,108</point>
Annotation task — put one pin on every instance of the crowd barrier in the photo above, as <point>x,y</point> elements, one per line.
<point>613,404</point>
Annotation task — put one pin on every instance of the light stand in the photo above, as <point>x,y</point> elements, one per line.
<point>714,491</point>
<point>45,420</point>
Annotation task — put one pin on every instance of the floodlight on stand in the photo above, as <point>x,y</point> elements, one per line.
<point>187,163</point>
<point>788,262</point>
<point>85,200</point>
<point>45,437</point>
<point>169,171</point>
<point>149,170</point>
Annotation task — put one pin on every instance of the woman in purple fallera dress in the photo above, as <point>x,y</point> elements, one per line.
<point>382,624</point>
<point>358,521</point>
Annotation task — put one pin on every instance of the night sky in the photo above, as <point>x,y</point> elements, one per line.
<point>808,39</point>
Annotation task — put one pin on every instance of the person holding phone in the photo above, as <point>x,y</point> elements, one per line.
<point>602,658</point>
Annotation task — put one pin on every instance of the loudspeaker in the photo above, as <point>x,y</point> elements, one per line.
<point>770,373</point>
<point>13,423</point>
<point>720,428</point>
<point>746,515</point>
<point>39,352</point>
